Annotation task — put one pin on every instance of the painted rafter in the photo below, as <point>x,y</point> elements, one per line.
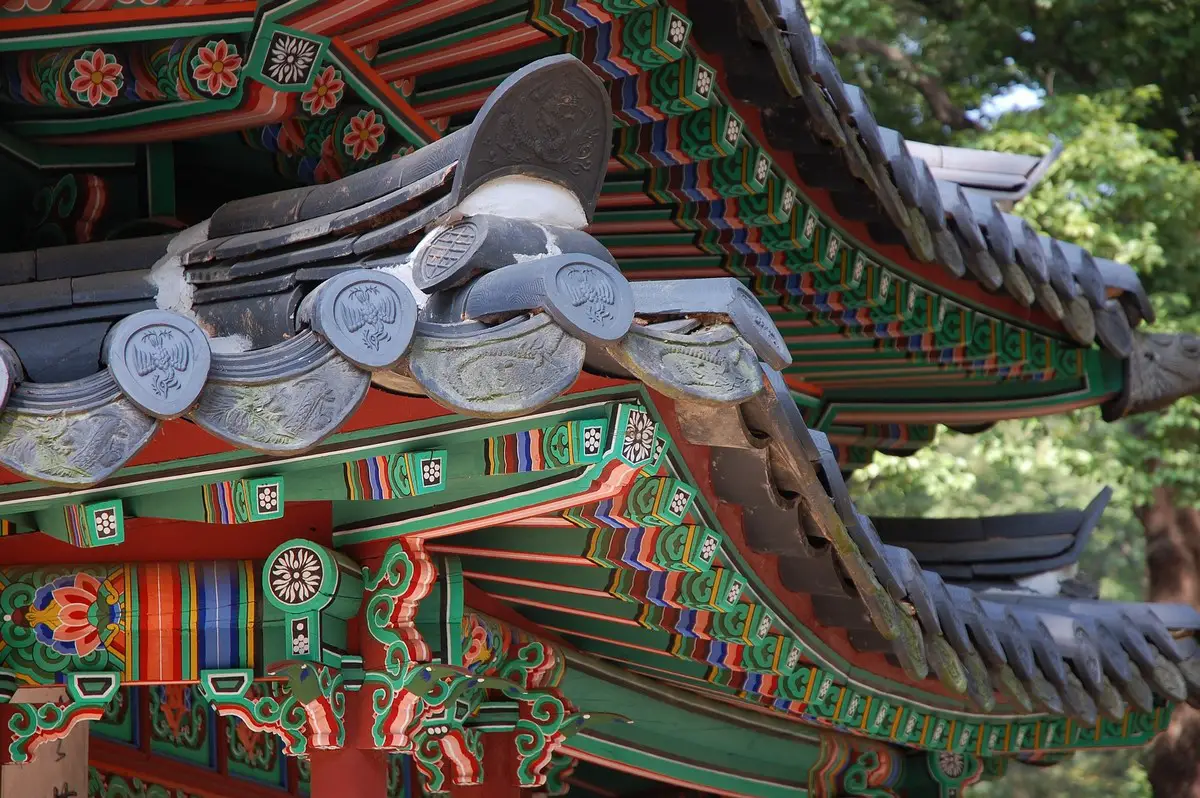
<point>797,687</point>
<point>644,93</point>
<point>621,491</point>
<point>818,698</point>
<point>975,361</point>
<point>90,28</point>
<point>592,511</point>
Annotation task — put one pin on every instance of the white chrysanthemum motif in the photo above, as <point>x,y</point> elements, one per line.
<point>105,522</point>
<point>788,201</point>
<point>296,575</point>
<point>290,59</point>
<point>761,168</point>
<point>942,312</point>
<point>708,549</point>
<point>734,593</point>
<point>824,691</point>
<point>301,643</point>
<point>639,437</point>
<point>679,501</point>
<point>912,298</point>
<point>885,285</point>
<point>591,440</point>
<point>793,657</point>
<point>911,724</point>
<point>853,706</point>
<point>677,31</point>
<point>764,626</point>
<point>268,498</point>
<point>704,80</point>
<point>831,252</point>
<point>860,266</point>
<point>431,472</point>
<point>733,130</point>
<point>810,225</point>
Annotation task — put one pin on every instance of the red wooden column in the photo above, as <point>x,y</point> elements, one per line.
<point>351,770</point>
<point>499,768</point>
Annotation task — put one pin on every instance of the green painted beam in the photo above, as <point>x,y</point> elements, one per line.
<point>678,740</point>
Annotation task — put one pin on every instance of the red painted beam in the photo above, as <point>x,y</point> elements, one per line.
<point>384,24</point>
<point>501,41</point>
<point>499,755</point>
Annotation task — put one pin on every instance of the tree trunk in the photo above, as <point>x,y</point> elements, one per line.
<point>1173,561</point>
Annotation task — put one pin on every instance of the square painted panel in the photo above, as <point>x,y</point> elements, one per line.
<point>286,59</point>
<point>265,496</point>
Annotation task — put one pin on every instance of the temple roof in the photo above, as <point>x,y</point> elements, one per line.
<point>1001,176</point>
<point>739,150</point>
<point>595,304</point>
<point>269,323</point>
<point>875,176</point>
<point>996,551</point>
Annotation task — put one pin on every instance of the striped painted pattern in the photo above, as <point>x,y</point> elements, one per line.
<point>371,479</point>
<point>220,503</point>
<point>516,453</point>
<point>184,618</point>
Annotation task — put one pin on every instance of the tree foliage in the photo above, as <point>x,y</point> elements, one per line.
<point>969,50</point>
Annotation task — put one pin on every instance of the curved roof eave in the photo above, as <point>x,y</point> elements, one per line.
<point>809,108</point>
<point>1000,176</point>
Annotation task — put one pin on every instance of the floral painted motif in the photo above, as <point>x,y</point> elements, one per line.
<point>70,615</point>
<point>761,169</point>
<point>296,575</point>
<point>215,67</point>
<point>364,135</point>
<point>96,77</point>
<point>175,704</point>
<point>179,716</point>
<point>639,437</point>
<point>431,472</point>
<point>733,130</point>
<point>290,58</point>
<point>480,649</point>
<point>325,93</point>
<point>677,31</point>
<point>252,742</point>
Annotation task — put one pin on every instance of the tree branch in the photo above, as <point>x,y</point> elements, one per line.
<point>943,108</point>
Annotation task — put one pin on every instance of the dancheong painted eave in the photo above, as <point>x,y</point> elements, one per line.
<point>879,276</point>
<point>522,453</point>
